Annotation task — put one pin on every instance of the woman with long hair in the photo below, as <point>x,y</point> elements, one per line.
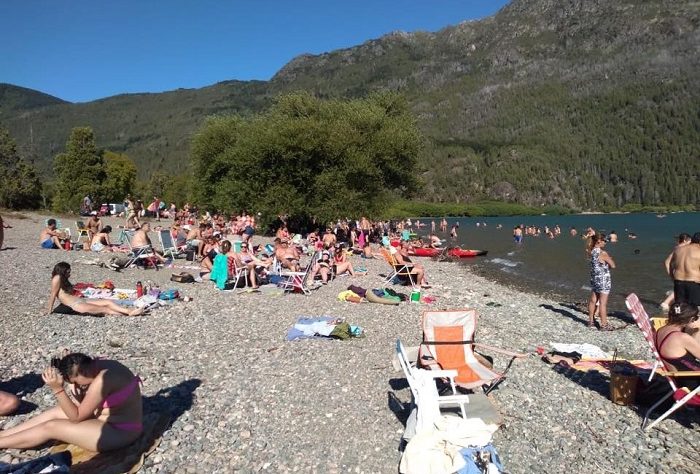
<point>104,413</point>
<point>678,342</point>
<point>601,281</point>
<point>62,289</point>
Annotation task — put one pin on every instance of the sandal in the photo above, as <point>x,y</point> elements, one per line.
<point>591,324</point>
<point>607,327</point>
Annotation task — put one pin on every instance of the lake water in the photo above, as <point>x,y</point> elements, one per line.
<point>559,267</point>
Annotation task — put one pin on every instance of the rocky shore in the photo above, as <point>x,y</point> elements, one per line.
<point>244,400</point>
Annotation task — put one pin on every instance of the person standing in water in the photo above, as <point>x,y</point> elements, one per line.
<point>517,234</point>
<point>601,281</point>
<point>453,231</point>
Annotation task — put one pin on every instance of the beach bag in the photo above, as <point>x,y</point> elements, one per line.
<point>183,277</point>
<point>170,294</point>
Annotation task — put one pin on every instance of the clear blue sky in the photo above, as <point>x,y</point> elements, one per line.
<point>80,50</point>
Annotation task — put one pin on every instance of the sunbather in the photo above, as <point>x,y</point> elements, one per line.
<point>287,255</point>
<point>142,240</point>
<point>8,403</point>
<point>93,225</point>
<point>340,260</point>
<point>62,289</point>
<point>50,238</point>
<point>322,267</point>
<point>402,258</point>
<point>105,411</point>
<point>195,239</point>
<point>100,241</point>
<point>679,341</point>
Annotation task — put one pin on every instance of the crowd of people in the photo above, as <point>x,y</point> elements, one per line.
<point>98,402</point>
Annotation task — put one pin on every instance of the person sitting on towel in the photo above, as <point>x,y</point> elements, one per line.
<point>103,412</point>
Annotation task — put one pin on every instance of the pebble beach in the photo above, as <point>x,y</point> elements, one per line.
<point>242,399</point>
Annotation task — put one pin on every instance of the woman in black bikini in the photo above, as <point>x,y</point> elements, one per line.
<point>62,289</point>
<point>679,341</point>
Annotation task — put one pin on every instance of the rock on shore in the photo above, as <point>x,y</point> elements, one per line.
<point>243,399</point>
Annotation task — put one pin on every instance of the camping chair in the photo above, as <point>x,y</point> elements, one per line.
<point>448,344</point>
<point>681,395</point>
<point>237,274</point>
<point>401,271</point>
<point>168,246</point>
<point>424,395</point>
<point>144,255</point>
<point>291,281</point>
<point>82,231</point>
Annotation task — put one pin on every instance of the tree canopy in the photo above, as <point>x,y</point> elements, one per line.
<point>20,187</point>
<point>309,157</point>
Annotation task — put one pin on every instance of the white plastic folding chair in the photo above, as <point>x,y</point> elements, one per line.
<point>425,398</point>
<point>682,395</point>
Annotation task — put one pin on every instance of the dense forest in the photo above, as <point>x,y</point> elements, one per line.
<point>587,104</point>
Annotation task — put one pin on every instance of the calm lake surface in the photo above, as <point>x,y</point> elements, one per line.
<point>559,267</point>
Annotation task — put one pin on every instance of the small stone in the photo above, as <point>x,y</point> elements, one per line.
<point>245,434</point>
<point>189,427</point>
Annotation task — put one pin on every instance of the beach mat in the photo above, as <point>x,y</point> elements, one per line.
<point>127,460</point>
<point>604,365</point>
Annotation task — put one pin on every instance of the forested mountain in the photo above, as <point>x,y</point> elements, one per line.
<point>586,103</point>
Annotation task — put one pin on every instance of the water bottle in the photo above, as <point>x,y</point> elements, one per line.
<point>139,289</point>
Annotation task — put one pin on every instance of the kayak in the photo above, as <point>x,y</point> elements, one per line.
<point>425,252</point>
<point>466,253</point>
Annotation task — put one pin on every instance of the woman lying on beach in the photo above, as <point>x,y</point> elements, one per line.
<point>62,289</point>
<point>679,341</point>
<point>104,414</point>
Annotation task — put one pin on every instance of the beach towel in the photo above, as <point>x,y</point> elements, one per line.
<point>587,351</point>
<point>326,327</point>
<point>125,460</point>
<point>54,463</point>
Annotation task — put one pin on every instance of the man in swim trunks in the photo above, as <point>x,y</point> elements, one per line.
<point>50,238</point>
<point>141,239</point>
<point>195,240</point>
<point>685,270</point>
<point>329,238</point>
<point>287,255</point>
<point>517,234</point>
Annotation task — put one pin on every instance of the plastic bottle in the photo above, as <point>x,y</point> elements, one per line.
<point>66,244</point>
<point>139,289</point>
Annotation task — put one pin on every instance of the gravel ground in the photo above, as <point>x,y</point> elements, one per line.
<point>244,400</point>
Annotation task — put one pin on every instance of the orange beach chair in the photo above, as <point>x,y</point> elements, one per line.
<point>448,344</point>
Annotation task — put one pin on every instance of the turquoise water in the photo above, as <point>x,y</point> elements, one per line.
<point>559,267</point>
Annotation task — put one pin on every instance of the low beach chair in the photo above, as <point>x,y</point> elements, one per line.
<point>168,246</point>
<point>448,344</point>
<point>292,281</point>
<point>426,401</point>
<point>400,271</point>
<point>682,395</point>
<point>144,255</point>
<point>82,231</point>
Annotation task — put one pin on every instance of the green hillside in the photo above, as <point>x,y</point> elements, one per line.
<point>590,104</point>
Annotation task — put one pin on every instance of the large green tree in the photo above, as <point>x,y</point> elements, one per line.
<point>120,177</point>
<point>79,171</point>
<point>308,157</point>
<point>20,187</point>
